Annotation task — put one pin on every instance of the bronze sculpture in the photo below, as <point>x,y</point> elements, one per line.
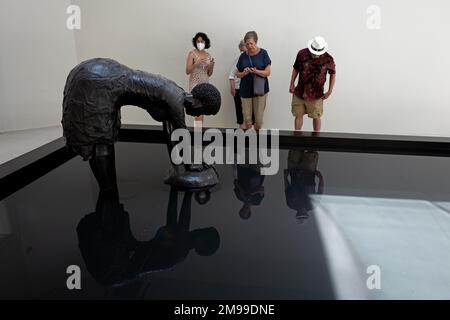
<point>114,257</point>
<point>95,91</point>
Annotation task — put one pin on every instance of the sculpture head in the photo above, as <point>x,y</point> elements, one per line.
<point>205,100</point>
<point>205,241</point>
<point>203,197</point>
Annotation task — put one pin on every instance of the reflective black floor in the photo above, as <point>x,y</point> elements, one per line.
<point>329,225</point>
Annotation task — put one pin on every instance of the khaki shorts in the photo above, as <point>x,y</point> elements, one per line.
<point>256,106</point>
<point>300,107</point>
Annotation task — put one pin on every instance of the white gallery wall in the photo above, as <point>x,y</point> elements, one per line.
<point>37,53</point>
<point>391,80</point>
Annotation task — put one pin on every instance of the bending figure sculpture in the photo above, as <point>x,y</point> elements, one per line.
<point>95,91</point>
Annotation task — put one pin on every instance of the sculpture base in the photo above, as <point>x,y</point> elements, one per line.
<point>183,179</point>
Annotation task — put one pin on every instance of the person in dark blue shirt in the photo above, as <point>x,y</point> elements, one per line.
<point>253,68</point>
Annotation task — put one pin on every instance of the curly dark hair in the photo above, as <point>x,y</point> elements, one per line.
<point>209,96</point>
<point>204,37</point>
<point>206,241</point>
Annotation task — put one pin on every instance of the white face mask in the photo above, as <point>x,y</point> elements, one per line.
<point>200,46</point>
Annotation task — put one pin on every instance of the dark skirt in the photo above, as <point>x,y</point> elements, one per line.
<point>84,127</point>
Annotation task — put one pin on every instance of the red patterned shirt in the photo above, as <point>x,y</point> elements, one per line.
<point>312,74</point>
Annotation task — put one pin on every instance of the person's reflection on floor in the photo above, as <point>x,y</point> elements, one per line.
<point>300,182</point>
<point>248,188</point>
<point>114,257</point>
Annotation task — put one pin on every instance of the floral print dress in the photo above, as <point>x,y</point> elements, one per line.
<point>200,73</point>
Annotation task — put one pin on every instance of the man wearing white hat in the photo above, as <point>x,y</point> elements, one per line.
<point>312,65</point>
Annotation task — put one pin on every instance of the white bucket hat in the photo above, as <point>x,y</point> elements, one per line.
<point>317,46</point>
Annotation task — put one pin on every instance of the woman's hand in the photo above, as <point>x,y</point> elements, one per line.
<point>200,62</point>
<point>210,67</point>
<point>242,74</point>
<point>262,73</point>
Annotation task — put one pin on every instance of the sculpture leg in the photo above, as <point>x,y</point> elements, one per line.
<point>167,128</point>
<point>184,219</point>
<point>172,207</point>
<point>103,167</point>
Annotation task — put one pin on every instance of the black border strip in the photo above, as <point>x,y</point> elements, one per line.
<point>43,161</point>
<point>323,141</point>
<point>25,175</point>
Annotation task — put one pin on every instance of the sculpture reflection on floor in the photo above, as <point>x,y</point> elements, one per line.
<point>300,181</point>
<point>114,257</point>
<point>96,90</point>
